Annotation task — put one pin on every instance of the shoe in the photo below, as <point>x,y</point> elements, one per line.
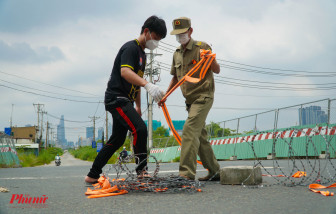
<point>143,175</point>
<point>210,178</point>
<point>89,181</point>
<point>186,177</point>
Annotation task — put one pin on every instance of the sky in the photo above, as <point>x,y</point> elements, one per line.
<point>60,54</point>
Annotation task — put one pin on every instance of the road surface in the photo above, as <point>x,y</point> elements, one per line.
<point>64,188</point>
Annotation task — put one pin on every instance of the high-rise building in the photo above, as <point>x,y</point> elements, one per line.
<point>109,130</point>
<point>178,125</point>
<point>100,133</point>
<point>61,132</point>
<point>89,132</point>
<point>312,115</point>
<point>156,124</point>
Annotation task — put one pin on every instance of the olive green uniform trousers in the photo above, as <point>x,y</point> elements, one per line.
<point>194,140</point>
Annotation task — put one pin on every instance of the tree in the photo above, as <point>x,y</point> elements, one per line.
<point>160,132</point>
<point>214,130</point>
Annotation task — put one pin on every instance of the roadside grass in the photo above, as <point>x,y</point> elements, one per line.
<point>28,159</point>
<point>88,153</point>
<point>177,159</point>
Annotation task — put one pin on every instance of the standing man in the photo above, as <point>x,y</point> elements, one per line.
<point>123,89</point>
<point>199,98</point>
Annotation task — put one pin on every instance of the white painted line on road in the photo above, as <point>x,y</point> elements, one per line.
<point>109,174</point>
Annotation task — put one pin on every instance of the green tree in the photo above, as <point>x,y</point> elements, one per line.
<point>214,130</point>
<point>160,132</point>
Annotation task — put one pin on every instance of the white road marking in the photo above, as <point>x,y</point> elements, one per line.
<point>82,176</point>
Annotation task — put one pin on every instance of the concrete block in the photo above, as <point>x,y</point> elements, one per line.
<point>239,174</point>
<point>270,157</point>
<point>233,158</point>
<point>323,156</point>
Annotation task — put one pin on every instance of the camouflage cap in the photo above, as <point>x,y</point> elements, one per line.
<point>180,25</point>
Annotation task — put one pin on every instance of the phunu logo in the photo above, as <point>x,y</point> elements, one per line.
<point>27,199</point>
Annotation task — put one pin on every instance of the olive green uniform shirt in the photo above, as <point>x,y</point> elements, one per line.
<point>183,61</point>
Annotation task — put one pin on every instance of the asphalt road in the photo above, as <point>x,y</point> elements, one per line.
<point>64,187</point>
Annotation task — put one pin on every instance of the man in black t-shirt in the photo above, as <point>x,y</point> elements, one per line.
<point>123,89</point>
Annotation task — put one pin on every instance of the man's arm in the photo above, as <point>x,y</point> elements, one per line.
<point>138,102</point>
<point>132,77</point>
<point>172,83</point>
<point>215,66</point>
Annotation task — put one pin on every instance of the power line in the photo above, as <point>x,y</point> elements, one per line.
<point>72,121</point>
<point>271,87</point>
<point>48,84</point>
<point>273,69</point>
<point>65,99</point>
<point>260,67</point>
<point>166,50</point>
<point>272,73</point>
<point>43,90</point>
<point>276,83</point>
<point>168,44</point>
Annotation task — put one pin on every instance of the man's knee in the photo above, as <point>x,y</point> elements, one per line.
<point>142,131</point>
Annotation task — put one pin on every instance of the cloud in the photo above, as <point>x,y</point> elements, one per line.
<point>24,53</point>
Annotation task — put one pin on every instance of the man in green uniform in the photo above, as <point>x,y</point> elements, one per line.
<point>199,98</point>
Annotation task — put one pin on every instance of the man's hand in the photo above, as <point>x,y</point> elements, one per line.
<point>215,66</point>
<point>138,109</point>
<point>154,91</point>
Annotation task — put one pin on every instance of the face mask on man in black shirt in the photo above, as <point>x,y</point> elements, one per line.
<point>151,44</point>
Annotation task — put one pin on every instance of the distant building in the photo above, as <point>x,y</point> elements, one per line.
<point>100,133</point>
<point>61,132</point>
<point>89,132</point>
<point>109,129</point>
<point>84,142</point>
<point>24,133</point>
<point>312,115</point>
<point>24,137</point>
<point>178,125</point>
<point>156,124</point>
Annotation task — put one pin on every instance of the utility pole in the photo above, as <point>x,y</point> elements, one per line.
<point>43,112</point>
<point>150,99</point>
<point>150,106</point>
<point>51,136</point>
<point>11,117</point>
<point>46,141</point>
<point>38,119</point>
<point>94,118</point>
<point>106,132</point>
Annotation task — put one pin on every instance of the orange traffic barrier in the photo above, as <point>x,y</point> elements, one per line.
<point>206,59</point>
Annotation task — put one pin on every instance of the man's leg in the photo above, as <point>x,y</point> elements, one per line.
<point>192,130</point>
<point>125,118</point>
<point>116,140</point>
<point>139,130</point>
<point>207,155</point>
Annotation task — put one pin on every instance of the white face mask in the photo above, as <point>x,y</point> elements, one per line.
<point>182,38</point>
<point>151,44</point>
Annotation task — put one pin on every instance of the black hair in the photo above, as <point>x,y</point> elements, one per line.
<point>156,25</point>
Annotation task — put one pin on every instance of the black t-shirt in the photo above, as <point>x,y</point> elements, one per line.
<point>132,56</point>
